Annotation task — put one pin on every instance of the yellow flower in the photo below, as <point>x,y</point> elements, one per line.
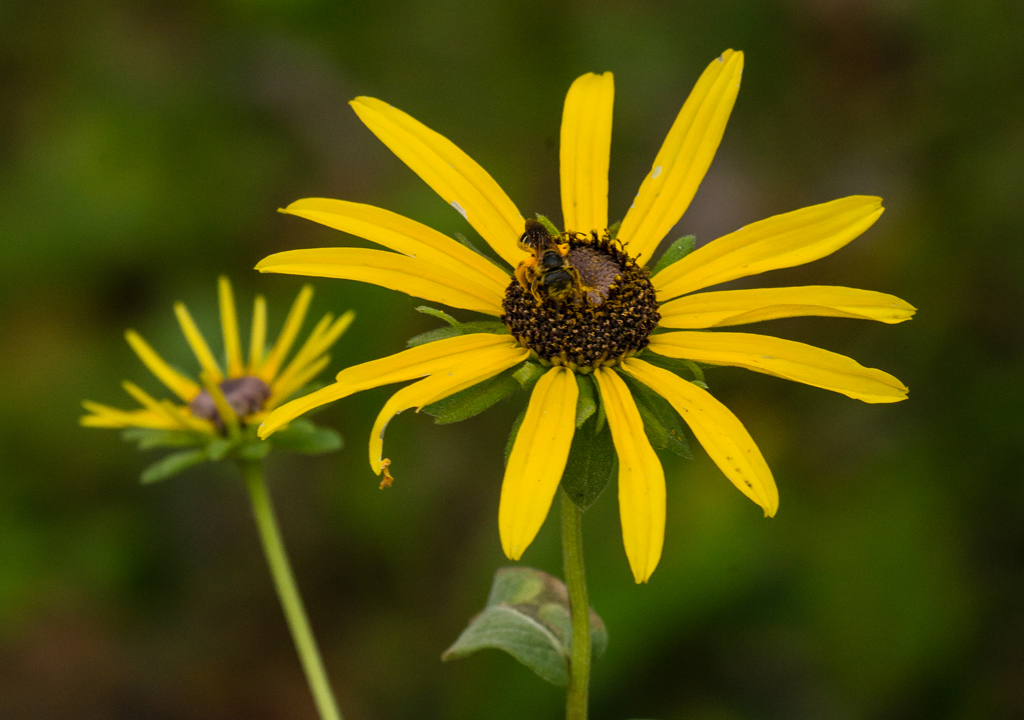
<point>608,304</point>
<point>243,389</point>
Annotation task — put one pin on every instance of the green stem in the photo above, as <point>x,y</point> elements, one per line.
<point>576,582</point>
<point>287,591</point>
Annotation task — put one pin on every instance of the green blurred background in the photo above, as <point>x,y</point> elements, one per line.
<point>144,148</point>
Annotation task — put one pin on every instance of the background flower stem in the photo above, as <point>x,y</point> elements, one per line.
<point>576,582</point>
<point>288,592</point>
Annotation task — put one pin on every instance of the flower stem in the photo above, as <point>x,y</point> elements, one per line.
<point>288,592</point>
<point>576,582</point>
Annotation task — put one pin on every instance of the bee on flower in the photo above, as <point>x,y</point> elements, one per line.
<point>602,337</point>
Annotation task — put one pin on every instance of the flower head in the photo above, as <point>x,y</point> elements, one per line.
<point>589,322</point>
<point>222,410</point>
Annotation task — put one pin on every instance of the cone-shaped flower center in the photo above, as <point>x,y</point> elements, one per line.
<point>579,300</point>
<point>245,395</point>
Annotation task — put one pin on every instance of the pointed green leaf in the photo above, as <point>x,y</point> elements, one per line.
<point>548,225</point>
<point>527,616</point>
<point>528,373</point>
<point>662,424</point>
<point>585,403</point>
<point>148,438</point>
<point>172,465</point>
<point>442,333</point>
<point>473,400</point>
<point>439,314</point>
<point>513,433</point>
<point>613,229</point>
<point>678,365</point>
<point>676,252</point>
<point>592,463</point>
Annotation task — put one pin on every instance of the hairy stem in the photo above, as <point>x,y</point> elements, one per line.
<point>576,582</point>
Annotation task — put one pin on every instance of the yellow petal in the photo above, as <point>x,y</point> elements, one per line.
<point>283,390</point>
<point>537,460</point>
<point>258,336</point>
<point>781,241</point>
<point>323,336</point>
<point>292,325</point>
<point>176,382</point>
<point>409,364</point>
<point>197,342</point>
<point>785,359</point>
<point>641,478</point>
<point>585,147</point>
<point>453,175</point>
<point>405,236</point>
<point>720,432</point>
<point>474,368</point>
<point>229,328</point>
<point>684,157</point>
<point>104,416</point>
<point>412,276</point>
<point>737,307</point>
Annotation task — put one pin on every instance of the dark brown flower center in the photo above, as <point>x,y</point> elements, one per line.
<point>245,395</point>
<point>604,309</point>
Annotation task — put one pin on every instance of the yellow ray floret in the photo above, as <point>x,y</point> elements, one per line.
<point>537,460</point>
<point>684,157</point>
<point>177,383</point>
<point>476,368</point>
<point>198,344</point>
<point>402,235</point>
<point>229,328</point>
<point>292,325</point>
<point>738,307</point>
<point>258,334</point>
<point>585,148</point>
<point>641,479</point>
<point>412,276</point>
<point>453,175</point>
<point>718,431</point>
<point>781,241</point>
<point>785,359</point>
<point>409,364</point>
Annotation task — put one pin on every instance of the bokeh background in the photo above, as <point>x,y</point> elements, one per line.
<point>144,148</point>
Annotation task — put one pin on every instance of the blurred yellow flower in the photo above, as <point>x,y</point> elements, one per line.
<point>242,389</point>
<point>603,318</point>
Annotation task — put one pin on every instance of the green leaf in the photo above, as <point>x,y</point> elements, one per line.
<point>513,434</point>
<point>440,314</point>
<point>473,400</point>
<point>592,463</point>
<point>676,252</point>
<point>442,333</point>
<point>678,365</point>
<point>585,403</point>
<point>302,436</point>
<point>255,449</point>
<point>600,405</point>
<point>527,616</point>
<point>465,241</point>
<point>219,448</point>
<point>529,373</point>
<point>662,423</point>
<point>548,225</point>
<point>172,465</point>
<point>148,438</point>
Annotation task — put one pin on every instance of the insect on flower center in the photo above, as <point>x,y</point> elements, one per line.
<point>245,395</point>
<point>579,300</point>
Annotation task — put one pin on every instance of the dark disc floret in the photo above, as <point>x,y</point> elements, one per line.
<point>609,318</point>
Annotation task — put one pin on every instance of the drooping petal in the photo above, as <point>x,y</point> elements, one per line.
<point>474,368</point>
<point>258,335</point>
<point>793,238</point>
<point>453,175</point>
<point>584,152</point>
<point>403,235</point>
<point>641,478</point>
<point>684,157</point>
<point>537,460</point>
<point>197,342</point>
<point>290,331</point>
<point>229,328</point>
<point>177,383</point>
<point>409,364</point>
<point>738,307</point>
<point>412,276</point>
<point>720,432</point>
<point>785,359</point>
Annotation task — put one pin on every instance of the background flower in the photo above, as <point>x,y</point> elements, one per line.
<point>144,149</point>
